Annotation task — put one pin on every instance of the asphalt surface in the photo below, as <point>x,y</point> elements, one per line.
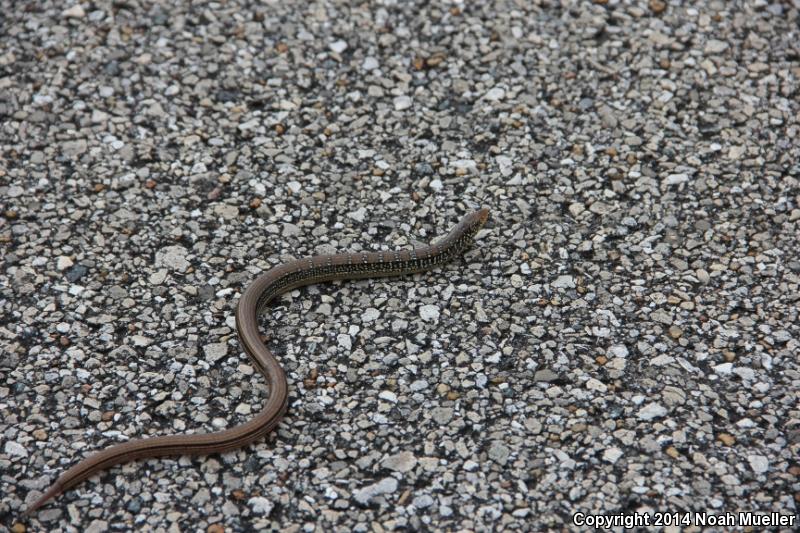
<point>621,341</point>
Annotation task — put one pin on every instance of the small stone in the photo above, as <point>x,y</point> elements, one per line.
<point>657,6</point>
<point>714,46</point>
<point>15,448</point>
<point>576,209</point>
<point>612,454</point>
<point>726,439</point>
<point>723,369</point>
<point>63,262</point>
<point>75,148</point>
<point>672,452</point>
<point>345,341</point>
<point>384,486</point>
<point>675,332</point>
<point>618,350</point>
<point>429,313</point>
<point>564,282</point>
<point>736,152</point>
<point>442,415</point>
<point>338,46</point>
<point>546,375</point>
<point>260,505</point>
<point>75,273</point>
<point>370,314</point>
<point>758,463</point>
<point>75,12</point>
<point>172,257</point>
<point>370,63</point>
<point>662,316</point>
<point>389,396</point>
<point>675,179</point>
<point>651,410</point>
<point>215,351</point>
<point>499,452</point>
<point>495,94</point>
<point>402,102</point>
<point>596,385</point>
<point>358,214</point>
<point>400,462</point>
<point>422,501</point>
<point>97,526</point>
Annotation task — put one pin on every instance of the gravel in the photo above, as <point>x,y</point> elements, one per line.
<point>623,337</point>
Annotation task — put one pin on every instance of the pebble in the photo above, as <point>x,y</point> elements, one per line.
<point>64,262</point>
<point>172,258</point>
<point>499,453</point>
<point>612,454</point>
<point>400,462</point>
<point>14,448</point>
<point>564,282</point>
<point>429,313</point>
<point>366,494</point>
<point>402,103</point>
<point>215,351</point>
<point>758,463</point>
<point>495,94</point>
<point>75,11</point>
<point>370,315</point>
<point>338,46</point>
<point>651,410</point>
<point>260,505</point>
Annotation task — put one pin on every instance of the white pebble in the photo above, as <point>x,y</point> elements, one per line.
<point>429,313</point>
<point>651,411</point>
<point>338,46</point>
<point>402,102</point>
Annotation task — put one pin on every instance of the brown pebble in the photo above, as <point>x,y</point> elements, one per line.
<point>238,494</point>
<point>98,187</point>
<point>215,528</point>
<point>612,151</point>
<point>434,60</point>
<point>601,360</point>
<point>282,48</point>
<point>107,416</point>
<point>18,527</point>
<point>675,332</point>
<point>657,6</point>
<point>453,395</point>
<point>10,214</point>
<point>280,129</point>
<point>255,203</point>
<point>403,497</point>
<point>310,380</point>
<point>150,183</point>
<point>39,434</point>
<point>726,439</point>
<point>672,452</point>
<point>729,356</point>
